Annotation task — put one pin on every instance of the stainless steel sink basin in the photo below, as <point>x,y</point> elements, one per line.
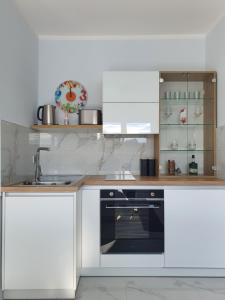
<point>53,183</point>
<point>53,180</point>
<point>46,183</point>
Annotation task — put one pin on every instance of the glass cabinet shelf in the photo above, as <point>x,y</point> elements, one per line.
<point>185,125</point>
<point>185,150</point>
<point>185,99</point>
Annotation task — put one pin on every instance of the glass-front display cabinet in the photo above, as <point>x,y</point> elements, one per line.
<point>187,122</point>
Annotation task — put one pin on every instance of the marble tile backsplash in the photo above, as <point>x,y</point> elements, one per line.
<point>89,152</point>
<point>83,152</point>
<point>18,145</point>
<point>220,153</point>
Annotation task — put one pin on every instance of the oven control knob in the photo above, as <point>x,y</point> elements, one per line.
<point>111,194</point>
<point>152,194</point>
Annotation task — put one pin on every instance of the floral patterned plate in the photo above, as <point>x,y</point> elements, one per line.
<point>70,96</point>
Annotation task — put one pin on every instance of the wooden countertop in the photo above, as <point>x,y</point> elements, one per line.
<point>99,180</point>
<point>164,180</point>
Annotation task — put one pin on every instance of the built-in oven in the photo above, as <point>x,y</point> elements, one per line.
<point>132,221</point>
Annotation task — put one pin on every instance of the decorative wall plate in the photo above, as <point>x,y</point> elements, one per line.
<point>70,96</point>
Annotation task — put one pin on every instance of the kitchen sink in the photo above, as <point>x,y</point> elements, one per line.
<point>46,183</point>
<point>53,180</point>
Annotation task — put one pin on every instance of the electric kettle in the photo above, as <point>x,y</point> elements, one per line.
<point>47,114</point>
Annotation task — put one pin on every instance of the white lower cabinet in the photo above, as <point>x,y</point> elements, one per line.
<point>195,228</point>
<point>90,228</point>
<point>78,238</point>
<point>39,242</point>
<point>46,235</point>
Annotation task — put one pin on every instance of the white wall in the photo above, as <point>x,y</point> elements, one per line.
<point>85,60</point>
<point>18,66</point>
<point>215,59</point>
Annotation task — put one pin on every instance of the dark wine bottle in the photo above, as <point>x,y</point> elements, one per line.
<point>193,167</point>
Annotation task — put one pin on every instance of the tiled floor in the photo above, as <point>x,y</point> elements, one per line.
<point>150,288</point>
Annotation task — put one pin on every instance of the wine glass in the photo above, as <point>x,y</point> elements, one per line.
<point>198,111</point>
<point>168,111</point>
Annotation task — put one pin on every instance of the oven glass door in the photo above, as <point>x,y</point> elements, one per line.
<point>129,226</point>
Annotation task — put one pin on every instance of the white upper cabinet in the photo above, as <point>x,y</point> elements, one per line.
<point>131,86</point>
<point>131,102</point>
<point>130,118</point>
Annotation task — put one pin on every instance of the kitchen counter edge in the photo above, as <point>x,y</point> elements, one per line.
<point>99,180</point>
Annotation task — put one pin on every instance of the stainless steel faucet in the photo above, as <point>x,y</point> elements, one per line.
<point>38,172</point>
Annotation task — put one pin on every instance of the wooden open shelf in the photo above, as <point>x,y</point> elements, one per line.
<point>46,128</point>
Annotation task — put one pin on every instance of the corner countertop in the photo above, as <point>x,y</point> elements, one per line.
<point>100,180</point>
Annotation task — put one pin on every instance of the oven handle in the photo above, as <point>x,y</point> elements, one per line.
<point>147,207</point>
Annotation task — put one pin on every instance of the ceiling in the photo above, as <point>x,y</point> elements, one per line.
<point>121,17</point>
